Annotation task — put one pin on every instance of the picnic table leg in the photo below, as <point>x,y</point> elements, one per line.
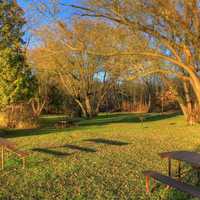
<point>154,185</point>
<point>169,167</point>
<point>23,162</point>
<point>2,157</point>
<point>147,184</point>
<point>179,169</point>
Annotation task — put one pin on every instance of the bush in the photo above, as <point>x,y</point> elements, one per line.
<point>18,116</point>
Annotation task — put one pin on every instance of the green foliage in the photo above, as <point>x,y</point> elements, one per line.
<point>99,170</point>
<point>16,79</point>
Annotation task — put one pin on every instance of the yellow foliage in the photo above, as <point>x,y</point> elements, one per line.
<point>3,120</point>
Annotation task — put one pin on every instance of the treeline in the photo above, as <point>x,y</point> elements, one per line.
<point>135,56</point>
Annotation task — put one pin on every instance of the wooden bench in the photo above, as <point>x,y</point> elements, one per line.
<point>184,187</point>
<point>9,146</point>
<point>64,124</point>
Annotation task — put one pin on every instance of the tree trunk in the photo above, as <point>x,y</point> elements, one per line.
<point>82,108</point>
<point>195,82</point>
<point>195,110</point>
<point>187,97</point>
<point>37,106</point>
<point>88,107</point>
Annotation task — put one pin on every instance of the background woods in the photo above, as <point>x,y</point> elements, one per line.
<point>133,50</point>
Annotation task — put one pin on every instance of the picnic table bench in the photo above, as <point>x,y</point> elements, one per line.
<point>10,146</point>
<point>191,158</point>
<point>64,123</point>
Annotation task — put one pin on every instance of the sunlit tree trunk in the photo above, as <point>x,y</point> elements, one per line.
<point>82,108</point>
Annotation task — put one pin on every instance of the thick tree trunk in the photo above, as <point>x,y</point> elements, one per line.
<point>195,82</point>
<point>194,115</point>
<point>187,97</point>
<point>189,109</point>
<point>88,107</point>
<point>82,108</point>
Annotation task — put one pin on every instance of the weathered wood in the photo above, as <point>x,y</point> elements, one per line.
<point>179,169</point>
<point>169,166</point>
<point>184,187</point>
<point>9,146</point>
<point>64,124</point>
<point>2,157</point>
<point>23,163</point>
<point>190,157</point>
<point>147,184</point>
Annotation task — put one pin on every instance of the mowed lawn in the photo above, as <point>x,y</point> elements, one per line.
<point>102,158</point>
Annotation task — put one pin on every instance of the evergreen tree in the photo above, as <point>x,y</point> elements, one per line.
<point>16,79</point>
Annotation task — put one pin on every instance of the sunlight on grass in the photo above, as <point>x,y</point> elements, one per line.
<point>102,158</point>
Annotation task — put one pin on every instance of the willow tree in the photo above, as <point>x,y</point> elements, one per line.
<point>173,29</point>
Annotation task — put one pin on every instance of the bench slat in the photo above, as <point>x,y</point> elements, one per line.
<point>184,187</point>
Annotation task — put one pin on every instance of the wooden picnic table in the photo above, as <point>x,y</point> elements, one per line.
<point>189,157</point>
<point>10,146</point>
<point>192,158</point>
<point>65,123</point>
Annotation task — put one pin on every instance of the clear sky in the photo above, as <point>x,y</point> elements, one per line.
<point>69,11</point>
<point>65,13</point>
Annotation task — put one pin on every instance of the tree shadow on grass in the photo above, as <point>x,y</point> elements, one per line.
<point>52,152</point>
<point>126,118</point>
<point>48,150</point>
<point>107,141</point>
<point>102,120</point>
<point>75,147</point>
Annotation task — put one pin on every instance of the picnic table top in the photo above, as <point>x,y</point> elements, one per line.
<point>12,146</point>
<point>5,142</point>
<point>190,157</point>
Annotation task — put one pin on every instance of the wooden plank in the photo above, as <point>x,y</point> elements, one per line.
<point>184,187</point>
<point>2,157</point>
<point>7,143</point>
<point>12,147</point>
<point>190,157</point>
<point>169,166</point>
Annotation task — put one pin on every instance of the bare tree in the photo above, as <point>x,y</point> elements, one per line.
<point>85,77</point>
<point>172,27</point>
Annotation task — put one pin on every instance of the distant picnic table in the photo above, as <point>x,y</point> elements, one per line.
<point>192,158</point>
<point>11,147</point>
<point>65,123</point>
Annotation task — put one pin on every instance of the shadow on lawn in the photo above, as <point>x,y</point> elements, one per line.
<point>48,150</point>
<point>125,118</point>
<point>47,127</point>
<point>75,147</point>
<point>106,141</point>
<point>52,152</point>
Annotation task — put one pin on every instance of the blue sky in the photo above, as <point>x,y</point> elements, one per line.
<point>66,14</point>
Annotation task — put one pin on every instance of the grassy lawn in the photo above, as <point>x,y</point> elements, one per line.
<point>102,158</point>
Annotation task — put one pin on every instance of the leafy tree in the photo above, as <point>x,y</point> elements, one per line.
<point>16,79</point>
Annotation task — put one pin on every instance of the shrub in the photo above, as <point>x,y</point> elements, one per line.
<point>18,116</point>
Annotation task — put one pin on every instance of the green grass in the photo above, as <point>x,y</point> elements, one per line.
<point>102,158</point>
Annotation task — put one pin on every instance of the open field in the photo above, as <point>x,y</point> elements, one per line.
<point>102,158</point>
